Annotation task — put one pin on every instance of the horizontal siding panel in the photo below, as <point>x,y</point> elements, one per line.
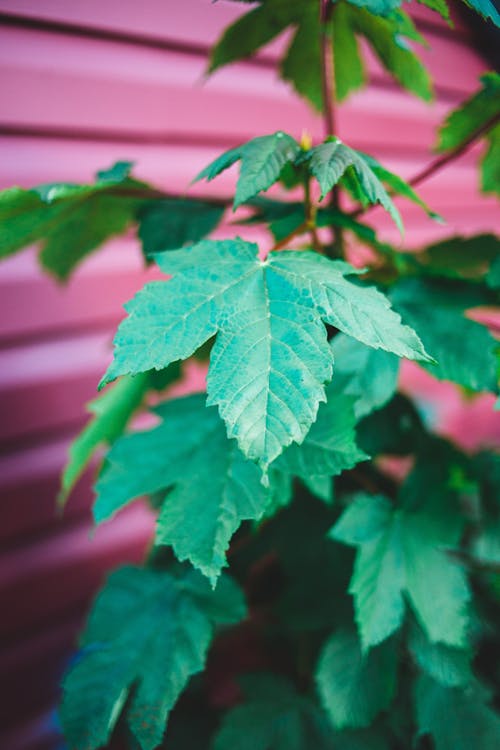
<point>193,21</point>
<point>95,86</point>
<point>63,569</point>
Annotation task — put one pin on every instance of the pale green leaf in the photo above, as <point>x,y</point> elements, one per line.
<point>353,687</point>
<point>330,160</point>
<point>213,488</point>
<point>147,634</point>
<point>271,356</point>
<point>457,719</point>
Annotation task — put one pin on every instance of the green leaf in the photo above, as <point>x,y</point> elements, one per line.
<point>370,375</point>
<point>490,169</point>
<point>262,160</point>
<point>147,634</point>
<point>301,65</point>
<point>493,277</point>
<point>271,355</point>
<point>448,666</point>
<point>464,350</point>
<point>440,6</point>
<point>457,719</point>
<point>330,160</point>
<point>330,445</point>
<point>461,257</point>
<point>275,716</point>
<point>403,552</point>
<point>477,112</point>
<point>485,8</point>
<point>348,64</point>
<point>69,221</point>
<point>171,223</point>
<point>395,429</point>
<point>112,411</point>
<point>213,488</point>
<point>386,36</point>
<point>252,31</point>
<point>353,687</point>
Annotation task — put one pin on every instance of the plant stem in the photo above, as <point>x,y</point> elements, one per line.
<point>335,250</point>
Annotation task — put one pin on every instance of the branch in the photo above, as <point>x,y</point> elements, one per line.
<point>440,162</point>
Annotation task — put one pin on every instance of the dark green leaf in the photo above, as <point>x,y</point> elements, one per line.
<point>354,688</point>
<point>464,350</point>
<point>170,223</point>
<point>461,257</point>
<point>403,552</point>
<point>301,65</point>
<point>457,719</point>
<point>147,634</point>
<point>262,160</point>
<point>348,64</point>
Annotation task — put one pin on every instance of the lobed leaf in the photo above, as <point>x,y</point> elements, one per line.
<point>271,356</point>
<point>147,634</point>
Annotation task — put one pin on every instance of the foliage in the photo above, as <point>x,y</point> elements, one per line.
<point>332,602</point>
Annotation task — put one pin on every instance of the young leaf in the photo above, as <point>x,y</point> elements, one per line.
<point>440,6</point>
<point>465,351</point>
<point>262,160</point>
<point>353,687</point>
<point>330,160</point>
<point>396,183</point>
<point>457,719</point>
<point>69,221</point>
<point>171,223</point>
<point>275,716</point>
<point>213,488</point>
<point>370,375</point>
<point>330,445</point>
<point>271,356</point>
<point>482,110</point>
<point>403,552</point>
<point>147,634</point>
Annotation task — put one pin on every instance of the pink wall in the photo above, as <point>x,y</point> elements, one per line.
<point>84,83</point>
